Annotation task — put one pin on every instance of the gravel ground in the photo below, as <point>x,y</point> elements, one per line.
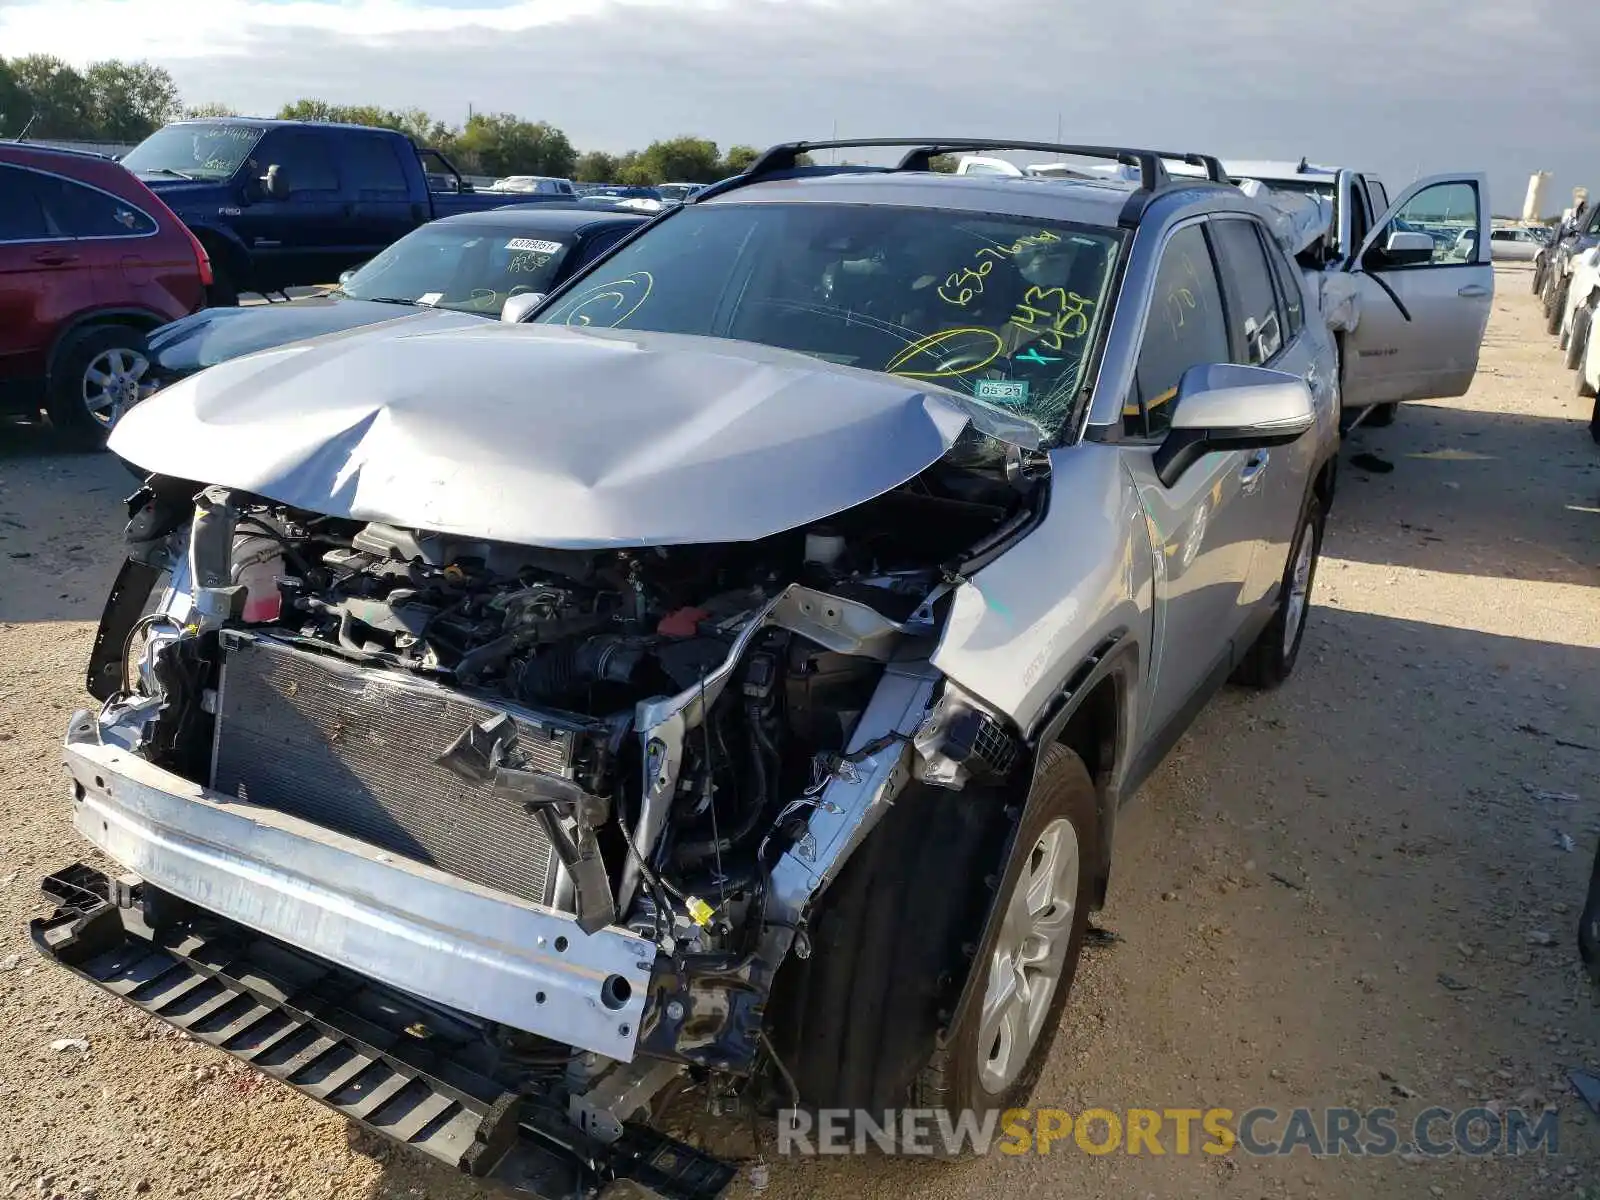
<point>1338,894</point>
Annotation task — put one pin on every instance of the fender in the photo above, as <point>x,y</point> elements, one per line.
<point>1118,659</point>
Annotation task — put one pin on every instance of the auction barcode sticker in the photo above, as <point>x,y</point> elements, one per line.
<point>534,245</point>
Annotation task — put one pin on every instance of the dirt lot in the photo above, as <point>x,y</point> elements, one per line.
<point>1338,894</point>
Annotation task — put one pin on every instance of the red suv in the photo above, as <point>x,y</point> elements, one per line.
<point>90,261</point>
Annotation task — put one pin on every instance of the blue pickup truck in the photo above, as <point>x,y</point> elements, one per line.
<point>282,204</point>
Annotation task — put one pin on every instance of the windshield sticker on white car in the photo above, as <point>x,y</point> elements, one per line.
<point>430,298</point>
<point>1002,391</point>
<point>534,245</point>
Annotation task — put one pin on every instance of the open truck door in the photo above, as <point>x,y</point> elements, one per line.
<point>1424,289</point>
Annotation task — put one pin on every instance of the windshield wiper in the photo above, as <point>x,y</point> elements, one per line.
<point>384,300</point>
<point>170,171</point>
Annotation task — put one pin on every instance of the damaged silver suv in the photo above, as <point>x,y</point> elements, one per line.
<point>729,676</point>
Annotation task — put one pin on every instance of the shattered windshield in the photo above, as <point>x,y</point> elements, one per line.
<point>195,150</point>
<point>1004,309</point>
<point>468,268</point>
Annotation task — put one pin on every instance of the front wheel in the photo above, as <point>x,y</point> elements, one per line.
<point>992,1056</point>
<point>1558,306</point>
<point>898,933</point>
<point>1270,660</point>
<point>1538,276</point>
<point>98,376</point>
<point>1578,337</point>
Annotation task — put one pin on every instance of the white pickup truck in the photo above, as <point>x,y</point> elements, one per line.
<point>1406,294</point>
<point>1406,287</point>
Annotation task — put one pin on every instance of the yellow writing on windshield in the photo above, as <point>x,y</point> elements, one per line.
<point>961,285</point>
<point>1064,315</point>
<point>948,354</point>
<point>608,305</point>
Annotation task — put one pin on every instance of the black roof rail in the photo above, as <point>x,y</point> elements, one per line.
<point>1215,171</point>
<point>785,157</point>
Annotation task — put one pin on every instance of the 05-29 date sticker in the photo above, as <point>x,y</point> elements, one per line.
<point>1001,391</point>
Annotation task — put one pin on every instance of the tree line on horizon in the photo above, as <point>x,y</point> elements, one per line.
<point>117,101</point>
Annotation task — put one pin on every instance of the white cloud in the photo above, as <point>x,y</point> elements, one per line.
<point>84,30</point>
<point>1430,85</point>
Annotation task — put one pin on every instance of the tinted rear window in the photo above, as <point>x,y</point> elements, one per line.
<point>21,216</point>
<point>87,212</point>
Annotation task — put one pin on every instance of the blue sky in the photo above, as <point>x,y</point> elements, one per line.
<point>1428,85</point>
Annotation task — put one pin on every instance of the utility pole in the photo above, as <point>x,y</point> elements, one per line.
<point>1058,128</point>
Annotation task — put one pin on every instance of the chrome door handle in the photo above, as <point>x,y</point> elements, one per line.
<point>1473,290</point>
<point>1254,469</point>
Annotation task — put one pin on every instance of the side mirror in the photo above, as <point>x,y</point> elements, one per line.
<point>1222,406</point>
<point>519,306</point>
<point>275,183</point>
<point>1407,249</point>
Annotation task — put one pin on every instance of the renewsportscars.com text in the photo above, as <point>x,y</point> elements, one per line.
<point>1328,1132</point>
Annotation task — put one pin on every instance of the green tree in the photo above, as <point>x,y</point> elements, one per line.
<point>738,159</point>
<point>56,94</point>
<point>422,128</point>
<point>15,108</point>
<point>680,159</point>
<point>306,110</point>
<point>349,114</point>
<point>596,166</point>
<point>128,101</point>
<point>505,144</point>
<point>212,108</point>
<point>944,164</point>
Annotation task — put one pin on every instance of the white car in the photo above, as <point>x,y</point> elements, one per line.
<point>1406,291</point>
<point>1515,243</point>
<point>1577,318</point>
<point>535,185</point>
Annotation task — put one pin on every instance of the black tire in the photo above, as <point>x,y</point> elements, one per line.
<point>67,403</point>
<point>897,934</point>
<point>1271,659</point>
<point>1558,302</point>
<point>1538,277</point>
<point>1578,338</point>
<point>224,290</point>
<point>1589,923</point>
<point>1380,415</point>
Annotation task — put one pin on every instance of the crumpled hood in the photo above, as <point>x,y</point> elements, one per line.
<point>550,436</point>
<point>215,335</point>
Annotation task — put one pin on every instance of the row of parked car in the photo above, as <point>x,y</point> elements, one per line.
<point>554,186</point>
<point>95,255</point>
<point>1566,279</point>
<point>717,647</point>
